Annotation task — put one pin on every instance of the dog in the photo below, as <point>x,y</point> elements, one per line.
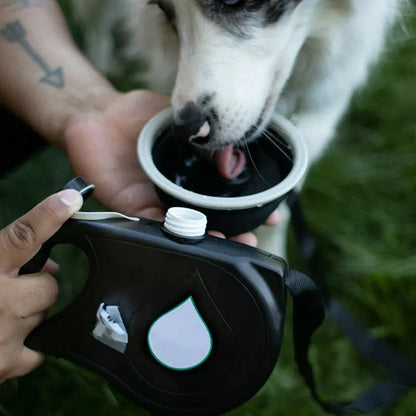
<point>230,64</point>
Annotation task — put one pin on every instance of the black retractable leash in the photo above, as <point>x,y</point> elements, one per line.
<point>402,372</point>
<point>182,325</point>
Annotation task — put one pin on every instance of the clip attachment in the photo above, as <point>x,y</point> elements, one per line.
<point>110,329</point>
<point>80,185</point>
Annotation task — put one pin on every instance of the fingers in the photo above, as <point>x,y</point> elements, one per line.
<point>247,238</point>
<point>27,295</point>
<point>273,218</point>
<point>18,360</point>
<point>23,301</point>
<point>216,234</point>
<point>33,294</point>
<point>26,362</point>
<point>51,267</point>
<point>153,213</point>
<point>21,240</point>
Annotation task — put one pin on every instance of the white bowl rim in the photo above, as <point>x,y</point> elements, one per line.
<point>155,126</point>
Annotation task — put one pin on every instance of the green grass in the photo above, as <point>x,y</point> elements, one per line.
<point>360,200</point>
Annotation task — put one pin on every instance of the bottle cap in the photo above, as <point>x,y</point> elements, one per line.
<point>185,222</point>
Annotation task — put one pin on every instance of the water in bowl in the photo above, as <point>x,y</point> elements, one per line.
<point>268,162</point>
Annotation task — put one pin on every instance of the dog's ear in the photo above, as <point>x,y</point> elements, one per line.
<point>166,6</point>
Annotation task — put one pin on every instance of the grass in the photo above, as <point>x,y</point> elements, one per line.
<point>360,200</point>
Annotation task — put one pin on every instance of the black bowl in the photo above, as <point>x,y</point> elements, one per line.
<point>184,176</point>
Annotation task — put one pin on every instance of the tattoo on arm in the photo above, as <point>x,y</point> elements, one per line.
<point>15,32</point>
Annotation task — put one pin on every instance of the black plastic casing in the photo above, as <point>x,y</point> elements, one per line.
<point>238,290</point>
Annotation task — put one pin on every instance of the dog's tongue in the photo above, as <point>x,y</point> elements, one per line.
<point>230,161</point>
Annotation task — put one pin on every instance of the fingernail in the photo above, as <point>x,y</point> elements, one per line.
<point>72,199</point>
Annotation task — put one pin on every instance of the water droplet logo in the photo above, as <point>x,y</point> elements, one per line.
<point>180,339</point>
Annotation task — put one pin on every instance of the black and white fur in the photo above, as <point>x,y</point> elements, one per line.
<point>237,63</point>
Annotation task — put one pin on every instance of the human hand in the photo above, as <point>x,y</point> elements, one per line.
<point>23,299</point>
<point>101,145</point>
<point>101,141</point>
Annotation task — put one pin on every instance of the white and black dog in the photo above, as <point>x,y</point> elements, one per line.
<point>232,63</point>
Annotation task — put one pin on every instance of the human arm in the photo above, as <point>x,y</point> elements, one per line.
<point>47,81</point>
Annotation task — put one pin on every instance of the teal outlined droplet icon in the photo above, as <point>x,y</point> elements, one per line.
<point>180,339</point>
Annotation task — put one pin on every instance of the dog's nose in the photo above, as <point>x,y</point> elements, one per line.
<point>189,122</point>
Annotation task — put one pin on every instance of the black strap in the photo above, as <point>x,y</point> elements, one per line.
<point>308,315</point>
<point>402,371</point>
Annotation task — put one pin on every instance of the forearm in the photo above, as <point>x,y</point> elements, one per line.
<point>43,77</point>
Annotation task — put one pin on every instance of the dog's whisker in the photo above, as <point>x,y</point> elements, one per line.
<point>273,140</point>
<point>273,132</point>
<point>277,137</point>
<point>254,164</point>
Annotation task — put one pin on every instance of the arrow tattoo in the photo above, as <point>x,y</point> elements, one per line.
<point>15,32</point>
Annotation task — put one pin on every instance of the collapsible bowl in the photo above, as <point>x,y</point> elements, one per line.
<point>276,162</point>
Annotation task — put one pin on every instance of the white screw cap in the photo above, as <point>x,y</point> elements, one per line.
<point>185,222</point>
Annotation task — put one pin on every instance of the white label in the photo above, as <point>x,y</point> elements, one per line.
<point>180,339</point>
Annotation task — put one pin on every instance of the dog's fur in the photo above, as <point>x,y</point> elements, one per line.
<point>239,63</point>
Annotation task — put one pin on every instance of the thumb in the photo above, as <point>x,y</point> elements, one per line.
<point>23,238</point>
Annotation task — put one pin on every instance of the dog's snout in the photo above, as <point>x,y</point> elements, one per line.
<point>190,113</point>
<point>190,120</point>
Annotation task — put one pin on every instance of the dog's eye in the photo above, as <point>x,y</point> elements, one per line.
<point>230,2</point>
